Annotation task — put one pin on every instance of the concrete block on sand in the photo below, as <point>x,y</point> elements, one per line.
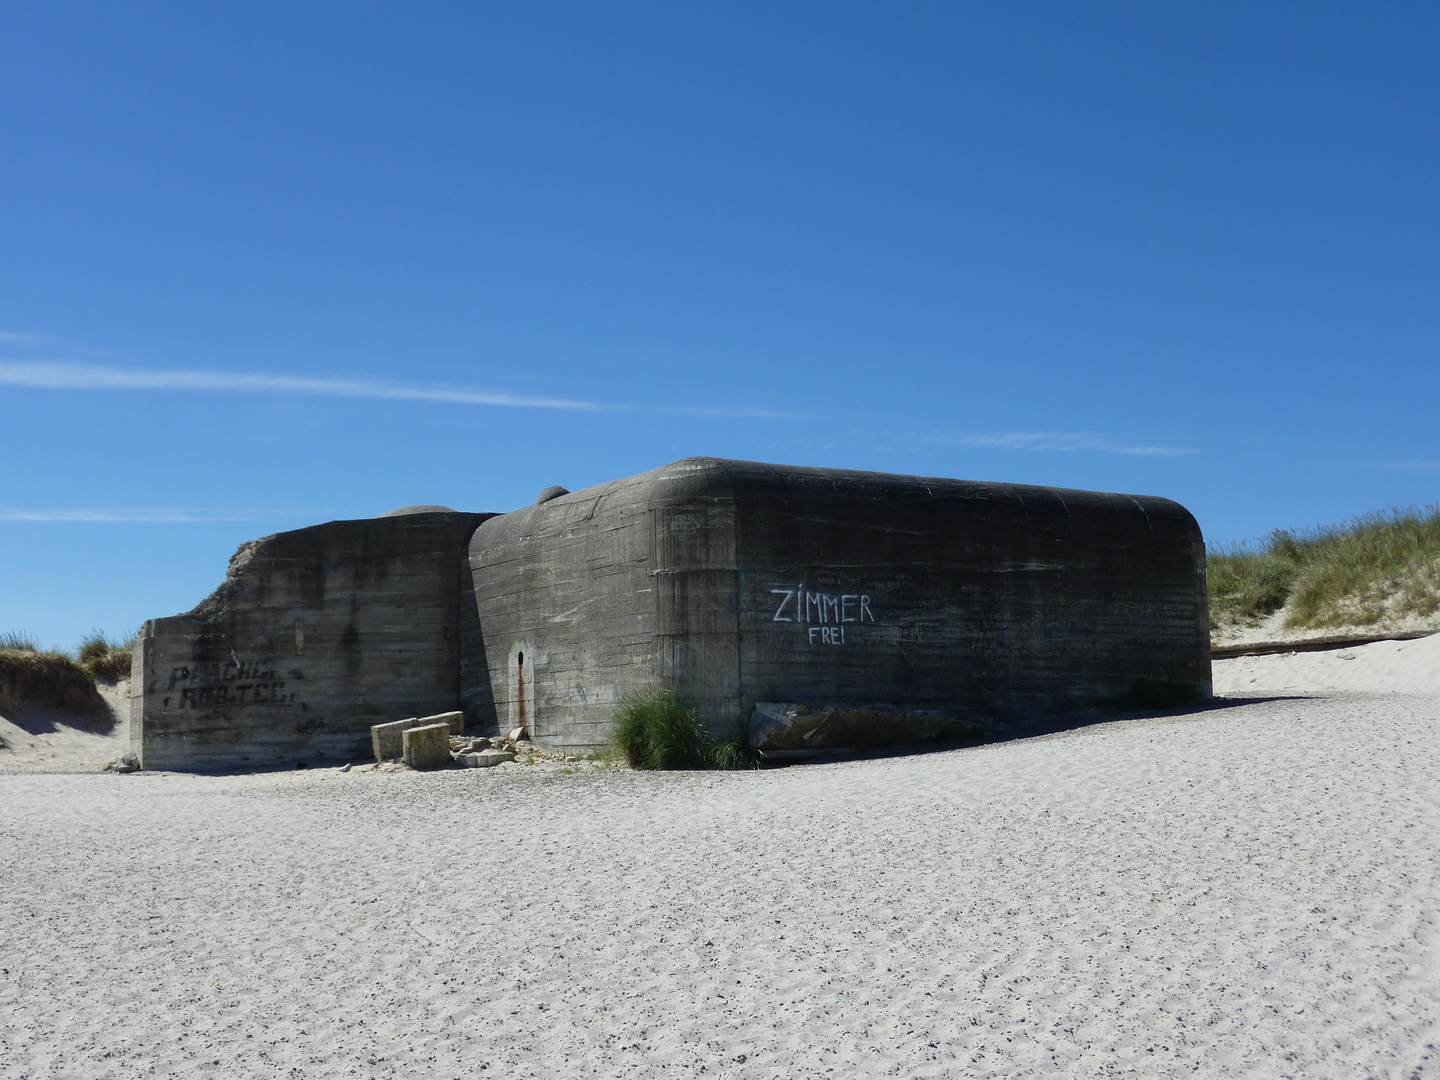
<point>386,739</point>
<point>426,747</point>
<point>455,721</point>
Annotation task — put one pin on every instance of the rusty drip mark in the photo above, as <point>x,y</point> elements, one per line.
<point>520,688</point>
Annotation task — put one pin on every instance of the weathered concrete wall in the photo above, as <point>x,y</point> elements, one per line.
<point>997,598</point>
<point>735,582</point>
<point>315,635</point>
<point>566,605</point>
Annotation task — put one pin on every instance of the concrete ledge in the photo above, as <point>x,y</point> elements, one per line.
<point>455,721</point>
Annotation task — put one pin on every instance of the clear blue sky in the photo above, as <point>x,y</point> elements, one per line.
<point>264,265</point>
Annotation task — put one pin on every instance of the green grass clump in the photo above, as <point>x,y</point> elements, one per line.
<point>106,659</point>
<point>733,753</point>
<point>654,730</point>
<point>1381,566</point>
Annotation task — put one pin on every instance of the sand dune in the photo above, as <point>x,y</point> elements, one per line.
<point>1247,890</point>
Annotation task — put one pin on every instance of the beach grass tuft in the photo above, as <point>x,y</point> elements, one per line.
<point>654,730</point>
<point>1384,565</point>
<point>15,641</point>
<point>106,659</point>
<point>733,753</point>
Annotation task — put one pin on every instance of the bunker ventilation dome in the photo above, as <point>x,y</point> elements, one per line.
<point>405,511</point>
<point>796,608</point>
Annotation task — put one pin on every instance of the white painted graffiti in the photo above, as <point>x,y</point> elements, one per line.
<point>824,614</point>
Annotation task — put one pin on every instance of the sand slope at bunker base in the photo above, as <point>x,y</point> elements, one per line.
<point>47,740</point>
<point>1405,667</point>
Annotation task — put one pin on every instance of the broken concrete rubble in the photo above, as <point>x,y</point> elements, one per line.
<point>385,739</point>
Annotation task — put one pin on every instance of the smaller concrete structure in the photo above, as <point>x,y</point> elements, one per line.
<point>426,747</point>
<point>314,636</point>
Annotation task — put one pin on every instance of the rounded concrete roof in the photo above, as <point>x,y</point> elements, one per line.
<point>404,510</point>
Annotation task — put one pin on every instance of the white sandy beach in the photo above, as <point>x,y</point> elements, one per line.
<point>1248,890</point>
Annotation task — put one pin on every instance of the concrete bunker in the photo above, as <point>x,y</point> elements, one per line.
<point>901,608</point>
<point>803,607</point>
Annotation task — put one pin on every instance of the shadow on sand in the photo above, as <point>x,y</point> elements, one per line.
<point>1017,730</point>
<point>35,718</point>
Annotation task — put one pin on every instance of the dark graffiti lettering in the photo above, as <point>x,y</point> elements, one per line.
<point>237,682</point>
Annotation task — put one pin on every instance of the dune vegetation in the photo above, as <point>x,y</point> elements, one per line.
<point>1377,568</point>
<point>105,659</point>
<point>30,675</point>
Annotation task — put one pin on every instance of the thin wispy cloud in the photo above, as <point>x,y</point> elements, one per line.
<point>56,375</point>
<point>64,375</point>
<point>167,515</point>
<point>8,337</point>
<point>1061,441</point>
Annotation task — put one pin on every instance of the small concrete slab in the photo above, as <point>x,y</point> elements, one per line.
<point>485,759</point>
<point>426,747</point>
